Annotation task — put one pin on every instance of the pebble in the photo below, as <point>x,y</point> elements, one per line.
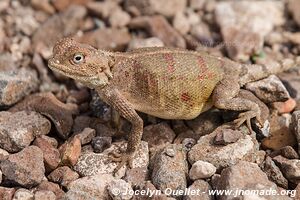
<point>294,6</point>
<point>136,176</point>
<point>269,90</point>
<point>19,129</point>
<point>51,155</point>
<point>203,187</point>
<point>6,193</point>
<point>63,176</point>
<point>289,168</point>
<point>23,164</point>
<point>91,163</point>
<point>181,23</point>
<point>285,107</point>
<point>102,9</point>
<point>44,195</point>
<point>49,186</point>
<point>223,156</point>
<point>99,144</point>
<point>201,170</point>
<point>122,187</point>
<point>227,136</point>
<point>70,151</point>
<point>23,194</point>
<point>86,135</point>
<point>136,43</point>
<point>170,168</point>
<point>16,84</point>
<point>119,18</point>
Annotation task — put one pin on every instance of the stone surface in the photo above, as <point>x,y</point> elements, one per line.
<point>90,187</point>
<point>86,135</point>
<point>294,6</point>
<point>245,23</point>
<point>49,186</point>
<point>246,176</point>
<point>203,187</point>
<point>227,136</point>
<point>44,195</point>
<point>158,135</point>
<point>285,107</point>
<point>16,84</point>
<point>159,27</point>
<point>6,193</point>
<point>119,18</point>
<point>51,155</point>
<point>201,170</point>
<point>18,130</point>
<point>295,126</point>
<point>121,187</point>
<point>70,151</point>
<point>289,168</point>
<point>99,143</point>
<point>23,194</point>
<point>136,176</point>
<point>136,43</point>
<point>274,174</point>
<point>269,90</point>
<point>169,168</point>
<point>63,176</point>
<point>47,104</point>
<point>23,164</point>
<point>102,9</point>
<point>91,163</point>
<point>223,156</point>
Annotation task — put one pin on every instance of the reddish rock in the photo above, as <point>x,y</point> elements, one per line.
<point>86,135</point>
<point>50,154</point>
<point>285,107</point>
<point>70,151</point>
<point>63,176</point>
<point>43,5</point>
<point>294,7</point>
<point>49,186</point>
<point>62,5</point>
<point>136,176</point>
<point>7,193</point>
<point>227,136</point>
<point>44,195</point>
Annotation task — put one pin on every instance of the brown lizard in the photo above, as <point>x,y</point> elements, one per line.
<point>163,82</point>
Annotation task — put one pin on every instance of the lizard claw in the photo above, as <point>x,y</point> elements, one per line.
<point>246,117</point>
<point>123,158</point>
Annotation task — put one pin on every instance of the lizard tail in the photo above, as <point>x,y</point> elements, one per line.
<point>255,72</point>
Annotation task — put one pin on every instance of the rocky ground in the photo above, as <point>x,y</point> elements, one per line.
<point>55,134</point>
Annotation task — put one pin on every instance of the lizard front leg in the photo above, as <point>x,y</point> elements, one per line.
<point>225,96</point>
<point>126,110</point>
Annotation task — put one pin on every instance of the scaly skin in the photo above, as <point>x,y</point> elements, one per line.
<point>163,82</point>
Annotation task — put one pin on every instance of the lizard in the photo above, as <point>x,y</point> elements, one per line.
<point>163,82</point>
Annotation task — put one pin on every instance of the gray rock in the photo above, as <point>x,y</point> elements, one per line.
<point>295,126</point>
<point>99,143</point>
<point>246,176</point>
<point>63,176</point>
<point>294,6</point>
<point>90,187</point>
<point>118,190</point>
<point>136,176</point>
<point>44,195</point>
<point>90,163</point>
<point>18,130</point>
<point>245,23</point>
<point>201,170</point>
<point>223,156</point>
<point>202,187</point>
<point>16,84</point>
<point>269,90</point>
<point>289,168</point>
<point>227,136</point>
<point>23,194</point>
<point>274,174</point>
<point>119,18</point>
<point>86,135</point>
<point>170,168</point>
<point>28,167</point>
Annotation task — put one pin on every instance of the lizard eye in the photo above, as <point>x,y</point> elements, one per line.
<point>78,58</point>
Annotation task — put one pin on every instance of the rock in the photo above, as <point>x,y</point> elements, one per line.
<point>280,133</point>
<point>6,193</point>
<point>57,26</point>
<point>70,151</point>
<point>18,130</point>
<point>158,135</point>
<point>99,163</point>
<point>63,176</point>
<point>119,18</point>
<point>202,188</point>
<point>246,176</point>
<point>148,186</point>
<point>51,155</point>
<point>108,39</point>
<point>102,9</point>
<point>3,154</point>
<point>269,90</point>
<point>227,136</point>
<point>43,5</point>
<point>205,123</point>
<point>169,168</point>
<point>181,23</point>
<point>289,168</point>
<point>167,8</point>
<point>44,195</point>
<point>202,33</point>
<point>47,104</point>
<point>50,140</point>
<point>62,5</point>
<point>23,164</point>
<point>16,84</point>
<point>297,193</point>
<point>287,152</point>
<point>285,107</point>
<point>99,144</point>
<point>274,174</point>
<point>118,190</point>
<point>201,170</point>
<point>245,24</point>
<point>295,126</point>
<point>159,27</point>
<point>136,43</point>
<point>86,135</point>
<point>136,176</point>
<point>23,194</point>
<point>188,143</point>
<point>49,186</point>
<point>90,187</point>
<point>294,6</point>
<point>223,156</point>
<point>197,4</point>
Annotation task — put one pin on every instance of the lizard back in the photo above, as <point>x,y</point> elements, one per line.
<point>168,84</point>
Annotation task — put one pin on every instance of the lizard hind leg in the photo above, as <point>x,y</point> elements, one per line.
<point>225,96</point>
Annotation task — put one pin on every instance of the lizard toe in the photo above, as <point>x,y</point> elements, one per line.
<point>123,159</point>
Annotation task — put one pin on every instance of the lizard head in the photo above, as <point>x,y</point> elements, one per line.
<point>81,62</point>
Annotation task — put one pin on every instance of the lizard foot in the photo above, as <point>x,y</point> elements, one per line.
<point>246,117</point>
<point>123,158</point>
